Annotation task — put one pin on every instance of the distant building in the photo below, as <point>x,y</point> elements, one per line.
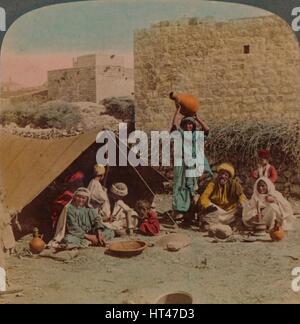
<point>92,78</point>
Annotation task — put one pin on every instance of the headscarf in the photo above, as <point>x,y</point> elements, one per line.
<point>186,120</point>
<point>83,192</point>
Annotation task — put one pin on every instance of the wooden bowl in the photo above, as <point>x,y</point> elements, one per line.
<point>127,248</point>
<point>177,297</point>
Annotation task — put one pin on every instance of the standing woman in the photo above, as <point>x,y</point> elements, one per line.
<point>184,188</point>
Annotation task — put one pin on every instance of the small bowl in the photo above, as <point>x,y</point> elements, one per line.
<point>127,248</point>
<point>176,297</point>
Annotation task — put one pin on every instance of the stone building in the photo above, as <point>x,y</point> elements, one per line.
<point>92,78</point>
<point>239,69</point>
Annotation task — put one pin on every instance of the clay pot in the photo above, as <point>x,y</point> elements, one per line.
<point>189,104</point>
<point>277,233</point>
<point>177,297</point>
<point>37,245</point>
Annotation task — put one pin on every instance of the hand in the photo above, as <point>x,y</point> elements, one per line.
<point>101,239</point>
<point>211,209</point>
<point>240,206</point>
<point>178,106</point>
<point>93,239</point>
<point>270,199</point>
<point>258,217</point>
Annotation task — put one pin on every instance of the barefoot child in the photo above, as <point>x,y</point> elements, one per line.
<point>149,224</point>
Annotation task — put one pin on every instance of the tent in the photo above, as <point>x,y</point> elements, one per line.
<point>32,170</point>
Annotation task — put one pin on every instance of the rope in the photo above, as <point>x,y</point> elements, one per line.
<point>137,172</point>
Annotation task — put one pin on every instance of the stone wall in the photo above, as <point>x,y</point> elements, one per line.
<point>92,78</point>
<point>239,69</point>
<point>114,81</point>
<point>76,84</point>
<point>84,61</point>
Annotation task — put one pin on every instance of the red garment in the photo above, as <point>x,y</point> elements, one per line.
<point>59,204</point>
<point>150,226</point>
<point>272,174</point>
<point>76,176</point>
<point>264,154</point>
<point>73,182</point>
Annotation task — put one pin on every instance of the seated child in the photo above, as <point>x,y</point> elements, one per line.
<point>264,168</point>
<point>148,224</point>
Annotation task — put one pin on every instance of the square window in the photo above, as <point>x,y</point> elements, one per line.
<point>246,49</point>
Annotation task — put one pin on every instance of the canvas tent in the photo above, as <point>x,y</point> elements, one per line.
<point>28,168</point>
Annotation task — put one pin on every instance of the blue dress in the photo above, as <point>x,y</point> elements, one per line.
<point>81,221</point>
<point>184,187</point>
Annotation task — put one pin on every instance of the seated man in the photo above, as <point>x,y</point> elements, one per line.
<point>99,197</point>
<point>221,198</point>
<point>80,225</point>
<point>122,219</point>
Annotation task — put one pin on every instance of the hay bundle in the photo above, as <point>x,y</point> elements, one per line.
<point>238,142</point>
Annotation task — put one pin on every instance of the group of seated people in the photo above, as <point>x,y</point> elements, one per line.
<point>95,215</point>
<point>223,201</point>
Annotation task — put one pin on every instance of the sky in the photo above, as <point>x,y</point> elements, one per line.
<point>50,37</point>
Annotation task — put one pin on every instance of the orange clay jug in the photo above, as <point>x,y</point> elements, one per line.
<point>189,104</point>
<point>277,233</point>
<point>37,245</point>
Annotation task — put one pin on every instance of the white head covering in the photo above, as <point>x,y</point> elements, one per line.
<point>83,192</point>
<point>120,189</point>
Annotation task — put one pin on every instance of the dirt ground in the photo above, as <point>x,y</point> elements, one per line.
<point>231,272</point>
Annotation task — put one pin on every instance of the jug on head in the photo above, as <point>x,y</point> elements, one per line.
<point>189,104</point>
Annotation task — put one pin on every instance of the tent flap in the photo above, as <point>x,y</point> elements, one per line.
<point>28,166</point>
